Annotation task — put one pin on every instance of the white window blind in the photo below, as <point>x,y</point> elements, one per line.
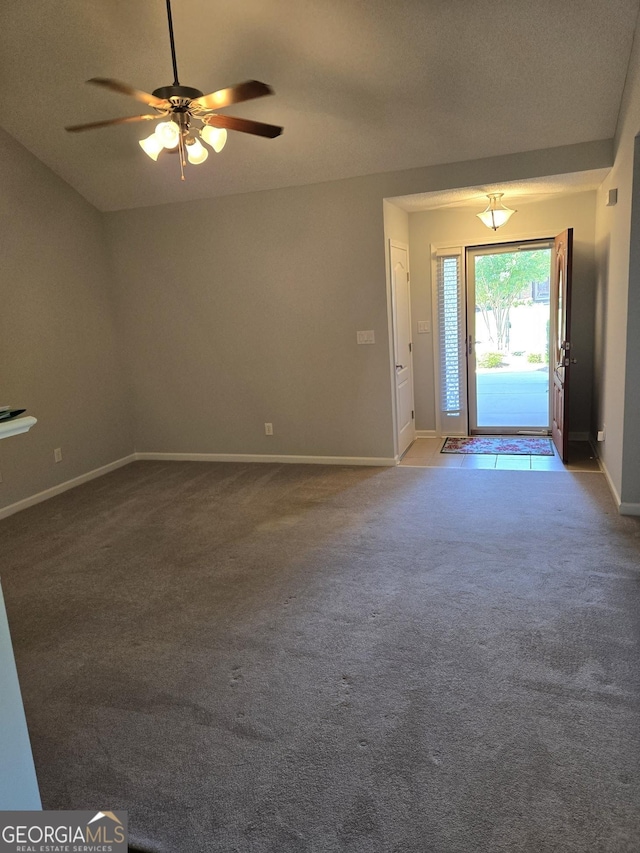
<point>451,340</point>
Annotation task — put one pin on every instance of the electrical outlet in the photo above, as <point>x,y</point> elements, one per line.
<point>602,433</point>
<point>268,429</point>
<point>57,454</point>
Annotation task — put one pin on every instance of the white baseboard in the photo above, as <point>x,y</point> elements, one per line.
<point>612,488</point>
<point>629,509</point>
<point>63,487</point>
<point>374,461</point>
<point>426,433</point>
<point>623,508</point>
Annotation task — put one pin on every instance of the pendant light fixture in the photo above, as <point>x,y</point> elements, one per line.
<point>496,213</point>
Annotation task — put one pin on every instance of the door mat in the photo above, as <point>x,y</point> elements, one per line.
<point>499,445</point>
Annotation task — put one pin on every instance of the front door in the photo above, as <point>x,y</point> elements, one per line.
<point>561,348</point>
<point>508,322</point>
<point>403,366</point>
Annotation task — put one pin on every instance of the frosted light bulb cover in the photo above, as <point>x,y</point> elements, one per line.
<point>196,152</point>
<point>168,133</point>
<point>151,146</point>
<point>496,213</point>
<point>215,137</point>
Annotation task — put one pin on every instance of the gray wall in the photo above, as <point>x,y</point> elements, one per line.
<point>617,379</point>
<point>612,253</point>
<point>453,227</point>
<point>59,352</point>
<point>628,141</point>
<point>242,310</point>
<point>396,225</point>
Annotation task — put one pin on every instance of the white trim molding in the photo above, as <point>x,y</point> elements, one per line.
<point>623,508</point>
<point>16,426</point>
<point>629,509</point>
<point>373,461</point>
<point>607,476</point>
<point>63,487</point>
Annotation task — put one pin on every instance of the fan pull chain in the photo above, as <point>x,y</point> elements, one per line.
<point>181,156</point>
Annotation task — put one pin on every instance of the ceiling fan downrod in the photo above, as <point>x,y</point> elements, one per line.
<point>176,82</point>
<point>184,93</point>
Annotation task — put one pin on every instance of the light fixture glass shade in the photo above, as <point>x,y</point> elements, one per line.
<point>214,136</point>
<point>151,146</point>
<point>496,213</point>
<point>196,152</point>
<point>168,133</point>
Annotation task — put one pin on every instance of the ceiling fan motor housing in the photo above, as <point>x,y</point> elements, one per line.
<point>184,93</point>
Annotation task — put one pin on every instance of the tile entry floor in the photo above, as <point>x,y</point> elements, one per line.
<point>425,453</point>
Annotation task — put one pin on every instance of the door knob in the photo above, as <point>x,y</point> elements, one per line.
<point>399,366</point>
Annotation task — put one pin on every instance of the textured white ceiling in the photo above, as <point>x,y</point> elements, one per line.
<point>361,87</point>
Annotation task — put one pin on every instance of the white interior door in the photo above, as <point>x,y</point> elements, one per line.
<point>403,365</point>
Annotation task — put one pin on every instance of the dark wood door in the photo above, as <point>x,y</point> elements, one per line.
<point>560,349</point>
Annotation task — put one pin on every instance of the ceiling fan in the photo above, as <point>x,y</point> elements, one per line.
<point>187,114</point>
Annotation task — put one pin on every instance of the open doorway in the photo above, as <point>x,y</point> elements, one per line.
<point>482,364</point>
<point>508,328</point>
<point>439,227</point>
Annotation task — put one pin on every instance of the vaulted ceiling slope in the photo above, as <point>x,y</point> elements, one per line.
<point>361,87</point>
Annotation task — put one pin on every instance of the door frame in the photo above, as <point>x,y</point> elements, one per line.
<point>397,244</point>
<point>463,245</point>
<point>472,401</point>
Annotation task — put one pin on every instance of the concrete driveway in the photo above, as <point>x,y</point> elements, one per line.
<point>510,397</point>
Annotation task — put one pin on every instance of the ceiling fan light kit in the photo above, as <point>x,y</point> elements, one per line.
<point>216,137</point>
<point>196,153</point>
<point>496,213</point>
<point>181,108</point>
<point>152,145</point>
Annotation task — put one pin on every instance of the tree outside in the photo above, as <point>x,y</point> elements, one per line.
<point>502,281</point>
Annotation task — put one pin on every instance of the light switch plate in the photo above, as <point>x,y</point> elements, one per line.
<point>366,337</point>
<point>424,327</point>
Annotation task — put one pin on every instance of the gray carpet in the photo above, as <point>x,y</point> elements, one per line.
<point>275,658</point>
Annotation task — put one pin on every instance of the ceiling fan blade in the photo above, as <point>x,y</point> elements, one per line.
<point>76,128</point>
<point>125,89</point>
<point>244,125</point>
<point>234,95</point>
